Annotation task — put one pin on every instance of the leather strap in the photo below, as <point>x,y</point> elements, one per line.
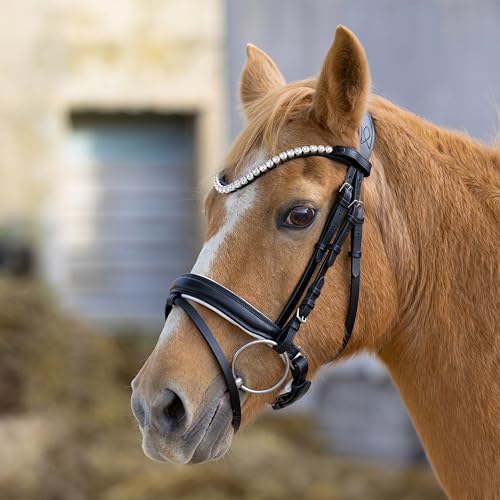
<point>234,396</point>
<point>333,220</point>
<point>226,303</point>
<point>350,156</point>
<point>355,255</point>
<point>299,386</point>
<point>309,301</point>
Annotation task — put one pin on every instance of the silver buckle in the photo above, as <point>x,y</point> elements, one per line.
<point>346,184</point>
<point>356,203</point>
<point>299,317</point>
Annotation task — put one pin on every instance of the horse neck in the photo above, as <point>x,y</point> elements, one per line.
<point>436,201</point>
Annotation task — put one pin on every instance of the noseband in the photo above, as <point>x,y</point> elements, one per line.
<point>346,216</point>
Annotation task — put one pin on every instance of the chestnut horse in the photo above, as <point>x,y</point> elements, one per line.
<point>428,307</point>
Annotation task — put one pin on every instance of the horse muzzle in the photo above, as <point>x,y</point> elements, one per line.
<point>172,432</point>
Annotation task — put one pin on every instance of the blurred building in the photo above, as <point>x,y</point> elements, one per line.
<point>114,115</point>
<point>437,58</point>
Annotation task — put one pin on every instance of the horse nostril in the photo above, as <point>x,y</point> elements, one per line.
<point>168,412</point>
<point>175,409</point>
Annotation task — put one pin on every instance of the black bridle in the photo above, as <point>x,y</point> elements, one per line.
<point>346,216</point>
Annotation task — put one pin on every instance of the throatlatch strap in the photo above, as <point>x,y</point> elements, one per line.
<point>234,396</point>
<point>355,254</point>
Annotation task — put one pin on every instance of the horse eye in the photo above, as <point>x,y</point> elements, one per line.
<point>300,217</point>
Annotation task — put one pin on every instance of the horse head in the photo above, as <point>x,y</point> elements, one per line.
<point>261,233</point>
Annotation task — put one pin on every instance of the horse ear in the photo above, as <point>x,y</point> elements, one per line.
<point>343,85</point>
<point>260,75</point>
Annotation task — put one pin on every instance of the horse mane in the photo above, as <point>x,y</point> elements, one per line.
<point>268,115</point>
<point>266,118</point>
<point>477,165</point>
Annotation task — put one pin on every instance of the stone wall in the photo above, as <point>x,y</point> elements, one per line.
<point>58,55</point>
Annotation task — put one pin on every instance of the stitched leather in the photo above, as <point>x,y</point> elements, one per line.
<point>300,385</point>
<point>234,396</point>
<point>350,156</point>
<point>227,302</point>
<point>333,220</point>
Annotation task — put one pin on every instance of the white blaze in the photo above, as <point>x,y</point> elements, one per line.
<point>236,205</point>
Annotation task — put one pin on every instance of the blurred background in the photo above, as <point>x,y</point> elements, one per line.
<point>113,117</point>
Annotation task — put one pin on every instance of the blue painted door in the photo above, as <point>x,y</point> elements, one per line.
<point>130,224</point>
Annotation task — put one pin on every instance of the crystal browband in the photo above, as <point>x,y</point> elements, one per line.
<point>312,150</point>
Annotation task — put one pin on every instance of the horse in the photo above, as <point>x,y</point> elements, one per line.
<point>428,303</point>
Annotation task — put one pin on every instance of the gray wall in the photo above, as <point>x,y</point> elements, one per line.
<point>439,58</point>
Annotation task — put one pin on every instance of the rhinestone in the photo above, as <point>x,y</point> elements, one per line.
<point>290,153</point>
<point>250,176</point>
<point>237,184</point>
<point>313,148</point>
<point>244,181</point>
<point>269,164</point>
<point>276,160</point>
<point>305,150</point>
<point>321,149</point>
<point>263,168</point>
<point>283,156</point>
<point>256,172</point>
<point>328,149</point>
<point>297,151</point>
